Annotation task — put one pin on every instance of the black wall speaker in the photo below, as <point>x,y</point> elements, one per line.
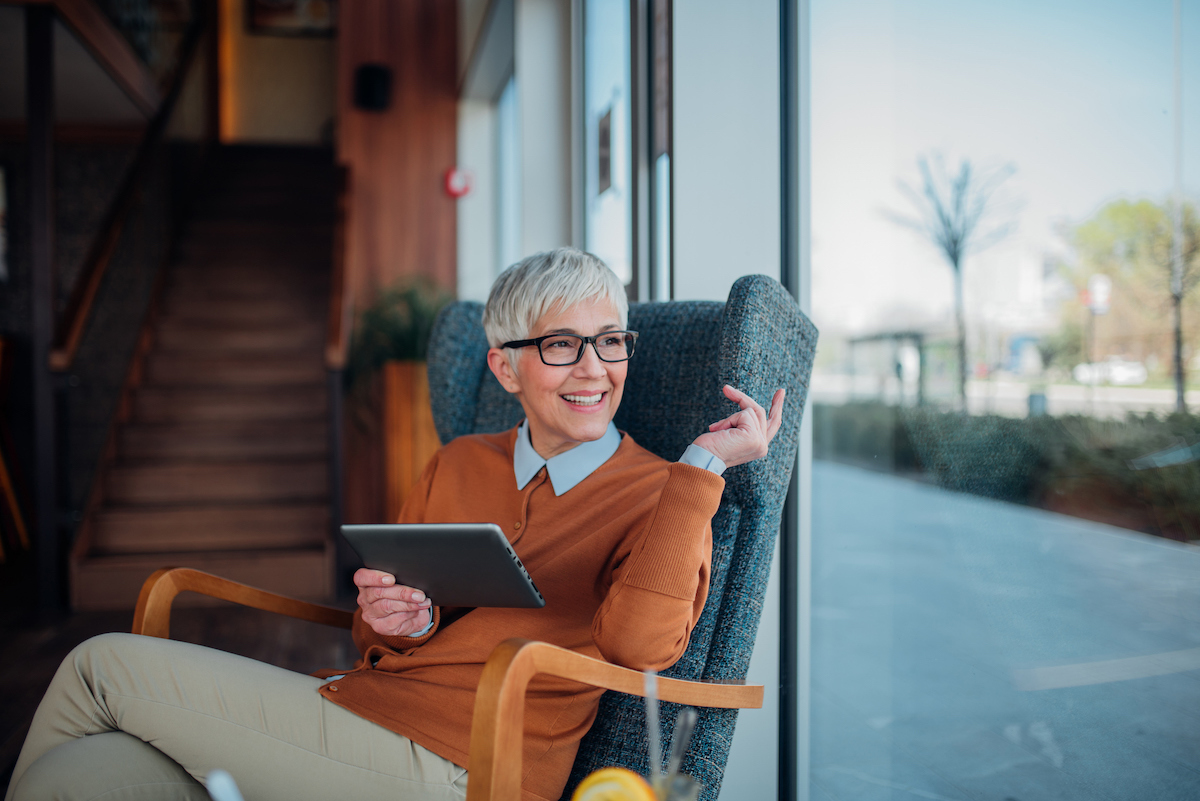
<point>372,87</point>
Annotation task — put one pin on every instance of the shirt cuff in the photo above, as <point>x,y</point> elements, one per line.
<point>425,630</point>
<point>700,457</point>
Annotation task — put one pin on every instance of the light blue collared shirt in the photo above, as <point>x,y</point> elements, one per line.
<point>570,467</point>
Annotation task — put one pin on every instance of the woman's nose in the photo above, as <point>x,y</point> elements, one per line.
<point>590,364</point>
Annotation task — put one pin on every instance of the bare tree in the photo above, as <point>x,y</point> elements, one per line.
<point>951,211</point>
<point>1185,246</point>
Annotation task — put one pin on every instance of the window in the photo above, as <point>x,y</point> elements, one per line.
<point>1006,502</point>
<point>508,177</point>
<point>607,134</point>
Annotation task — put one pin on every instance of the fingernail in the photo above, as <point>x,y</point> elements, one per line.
<point>388,580</point>
<point>418,596</point>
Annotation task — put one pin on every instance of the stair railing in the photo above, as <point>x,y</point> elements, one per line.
<point>71,327</point>
<point>136,232</point>
<point>337,350</point>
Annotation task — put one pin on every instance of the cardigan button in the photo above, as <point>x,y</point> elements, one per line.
<point>333,688</point>
<point>517,524</point>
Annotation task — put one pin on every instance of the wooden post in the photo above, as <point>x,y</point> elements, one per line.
<point>39,115</point>
<point>212,73</point>
<point>409,435</point>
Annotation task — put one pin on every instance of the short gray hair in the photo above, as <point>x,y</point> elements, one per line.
<point>544,282</point>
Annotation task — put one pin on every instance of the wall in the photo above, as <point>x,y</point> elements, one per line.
<point>543,70</point>
<point>477,266</point>
<point>725,155</point>
<point>402,221</point>
<point>276,89</point>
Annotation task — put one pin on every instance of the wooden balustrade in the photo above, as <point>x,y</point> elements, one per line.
<point>341,295</point>
<point>69,333</point>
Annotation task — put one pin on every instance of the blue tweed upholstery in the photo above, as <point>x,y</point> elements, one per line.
<point>758,340</point>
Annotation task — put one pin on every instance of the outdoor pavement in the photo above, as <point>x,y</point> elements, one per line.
<point>970,649</point>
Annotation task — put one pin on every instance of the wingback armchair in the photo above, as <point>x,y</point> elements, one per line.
<point>757,341</point>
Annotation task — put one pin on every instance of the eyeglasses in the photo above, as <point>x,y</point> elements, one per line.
<point>561,350</point>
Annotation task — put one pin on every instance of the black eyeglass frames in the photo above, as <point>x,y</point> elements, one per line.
<point>561,350</point>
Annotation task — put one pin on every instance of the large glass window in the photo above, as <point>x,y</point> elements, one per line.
<point>508,177</point>
<point>660,136</point>
<point>607,134</point>
<point>1006,486</point>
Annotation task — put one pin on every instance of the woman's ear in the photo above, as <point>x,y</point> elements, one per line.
<point>503,370</point>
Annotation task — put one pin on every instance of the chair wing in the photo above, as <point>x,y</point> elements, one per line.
<point>466,397</point>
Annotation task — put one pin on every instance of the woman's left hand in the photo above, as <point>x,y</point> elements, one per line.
<point>746,434</point>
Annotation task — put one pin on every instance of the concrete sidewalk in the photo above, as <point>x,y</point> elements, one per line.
<point>971,649</point>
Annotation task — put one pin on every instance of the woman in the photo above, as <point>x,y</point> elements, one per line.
<point>618,540</point>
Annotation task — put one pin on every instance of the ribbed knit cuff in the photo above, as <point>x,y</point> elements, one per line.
<point>404,643</point>
<point>674,548</point>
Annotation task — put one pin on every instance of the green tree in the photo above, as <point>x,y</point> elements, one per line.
<point>952,212</point>
<point>1152,317</point>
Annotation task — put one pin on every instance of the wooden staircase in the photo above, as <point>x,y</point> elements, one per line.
<point>219,458</point>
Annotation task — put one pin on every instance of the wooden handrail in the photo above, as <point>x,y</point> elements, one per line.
<point>341,297</point>
<point>108,46</point>
<point>69,333</point>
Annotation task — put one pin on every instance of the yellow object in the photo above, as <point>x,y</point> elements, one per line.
<point>613,784</point>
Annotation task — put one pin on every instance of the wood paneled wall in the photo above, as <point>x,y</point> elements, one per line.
<point>403,222</point>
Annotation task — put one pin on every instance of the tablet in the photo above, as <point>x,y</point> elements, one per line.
<point>454,564</point>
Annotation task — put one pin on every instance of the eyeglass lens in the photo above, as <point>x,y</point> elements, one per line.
<point>566,348</point>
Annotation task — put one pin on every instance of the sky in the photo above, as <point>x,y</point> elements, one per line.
<point>1075,96</point>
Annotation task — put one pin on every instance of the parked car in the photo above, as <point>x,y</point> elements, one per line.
<point>1114,370</point>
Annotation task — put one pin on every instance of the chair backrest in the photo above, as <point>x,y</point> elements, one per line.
<point>757,341</point>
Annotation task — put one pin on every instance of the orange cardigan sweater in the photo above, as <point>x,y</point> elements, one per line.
<point>622,560</point>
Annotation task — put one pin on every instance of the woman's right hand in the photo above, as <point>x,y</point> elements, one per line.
<point>391,609</point>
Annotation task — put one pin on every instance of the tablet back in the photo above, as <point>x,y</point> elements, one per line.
<point>455,564</point>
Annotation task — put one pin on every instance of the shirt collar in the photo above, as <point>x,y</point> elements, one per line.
<point>566,469</point>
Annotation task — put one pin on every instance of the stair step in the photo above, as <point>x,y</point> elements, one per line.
<point>181,337</point>
<point>113,582</point>
<point>226,441</point>
<point>197,370</point>
<point>275,207</point>
<point>236,231</point>
<point>235,281</point>
<point>237,312</point>
<point>205,528</point>
<point>299,301</point>
<point>218,482</point>
<point>301,260</point>
<point>240,404</point>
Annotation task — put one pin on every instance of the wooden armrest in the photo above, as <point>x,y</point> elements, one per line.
<point>153,614</point>
<point>498,724</point>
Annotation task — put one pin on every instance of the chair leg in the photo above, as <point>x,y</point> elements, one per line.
<point>14,509</point>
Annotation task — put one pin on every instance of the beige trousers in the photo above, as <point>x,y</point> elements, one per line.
<point>131,717</point>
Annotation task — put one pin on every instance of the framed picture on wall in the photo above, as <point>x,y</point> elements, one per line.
<point>291,17</point>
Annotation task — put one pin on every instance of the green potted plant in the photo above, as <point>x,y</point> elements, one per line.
<point>389,388</point>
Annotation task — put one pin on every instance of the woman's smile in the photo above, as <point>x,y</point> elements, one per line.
<point>583,400</point>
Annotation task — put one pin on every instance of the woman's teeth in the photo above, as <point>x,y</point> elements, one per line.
<point>584,400</point>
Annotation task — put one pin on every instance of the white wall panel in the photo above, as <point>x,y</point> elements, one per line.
<point>726,144</point>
